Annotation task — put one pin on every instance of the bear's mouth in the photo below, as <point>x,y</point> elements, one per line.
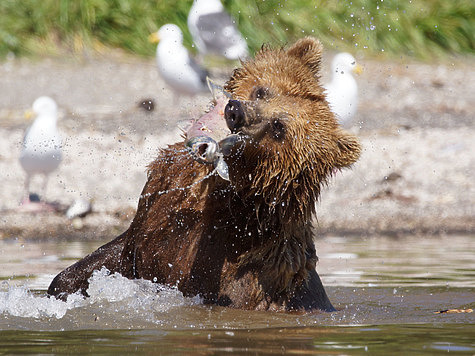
<point>210,137</point>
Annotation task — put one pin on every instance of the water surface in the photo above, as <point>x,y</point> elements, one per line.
<point>387,291</point>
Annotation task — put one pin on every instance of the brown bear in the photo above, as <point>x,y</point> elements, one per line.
<point>246,242</point>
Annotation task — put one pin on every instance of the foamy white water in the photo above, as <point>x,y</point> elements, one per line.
<point>112,293</point>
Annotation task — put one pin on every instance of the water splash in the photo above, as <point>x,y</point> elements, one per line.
<point>112,292</point>
<point>20,301</point>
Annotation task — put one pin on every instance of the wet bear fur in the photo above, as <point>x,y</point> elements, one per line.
<point>245,243</point>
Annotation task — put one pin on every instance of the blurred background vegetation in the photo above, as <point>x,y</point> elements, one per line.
<point>424,29</point>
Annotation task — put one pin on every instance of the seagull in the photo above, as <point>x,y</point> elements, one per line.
<point>214,31</point>
<point>41,149</point>
<point>79,208</point>
<point>177,68</point>
<point>342,91</point>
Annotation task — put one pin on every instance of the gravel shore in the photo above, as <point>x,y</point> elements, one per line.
<point>415,121</point>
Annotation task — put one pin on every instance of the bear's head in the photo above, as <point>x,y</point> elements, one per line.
<point>292,142</point>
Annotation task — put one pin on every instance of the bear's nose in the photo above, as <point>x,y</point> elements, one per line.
<point>234,115</point>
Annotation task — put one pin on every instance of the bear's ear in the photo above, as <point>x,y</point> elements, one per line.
<point>309,51</point>
<point>349,149</point>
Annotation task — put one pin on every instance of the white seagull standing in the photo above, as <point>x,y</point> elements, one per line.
<point>214,31</point>
<point>175,65</point>
<point>41,150</point>
<point>342,91</point>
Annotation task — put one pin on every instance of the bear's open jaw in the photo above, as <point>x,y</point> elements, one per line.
<point>209,138</point>
<point>214,135</point>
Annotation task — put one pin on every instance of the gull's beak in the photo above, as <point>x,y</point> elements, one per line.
<point>358,69</point>
<point>154,38</point>
<point>29,114</point>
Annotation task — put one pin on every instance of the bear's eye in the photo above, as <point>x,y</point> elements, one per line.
<point>277,129</point>
<point>259,93</point>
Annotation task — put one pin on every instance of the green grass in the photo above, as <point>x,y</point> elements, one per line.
<point>423,29</point>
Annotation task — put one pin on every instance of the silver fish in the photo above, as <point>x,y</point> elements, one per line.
<point>203,149</point>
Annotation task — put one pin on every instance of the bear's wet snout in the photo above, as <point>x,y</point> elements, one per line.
<point>234,115</point>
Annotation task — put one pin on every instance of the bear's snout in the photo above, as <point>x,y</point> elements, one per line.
<point>234,115</point>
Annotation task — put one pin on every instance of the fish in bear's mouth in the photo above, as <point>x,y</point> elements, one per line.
<point>210,138</point>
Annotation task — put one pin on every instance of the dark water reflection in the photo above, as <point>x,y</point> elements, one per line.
<point>387,340</point>
<point>386,290</point>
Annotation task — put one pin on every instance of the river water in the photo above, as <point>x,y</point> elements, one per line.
<point>387,292</point>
